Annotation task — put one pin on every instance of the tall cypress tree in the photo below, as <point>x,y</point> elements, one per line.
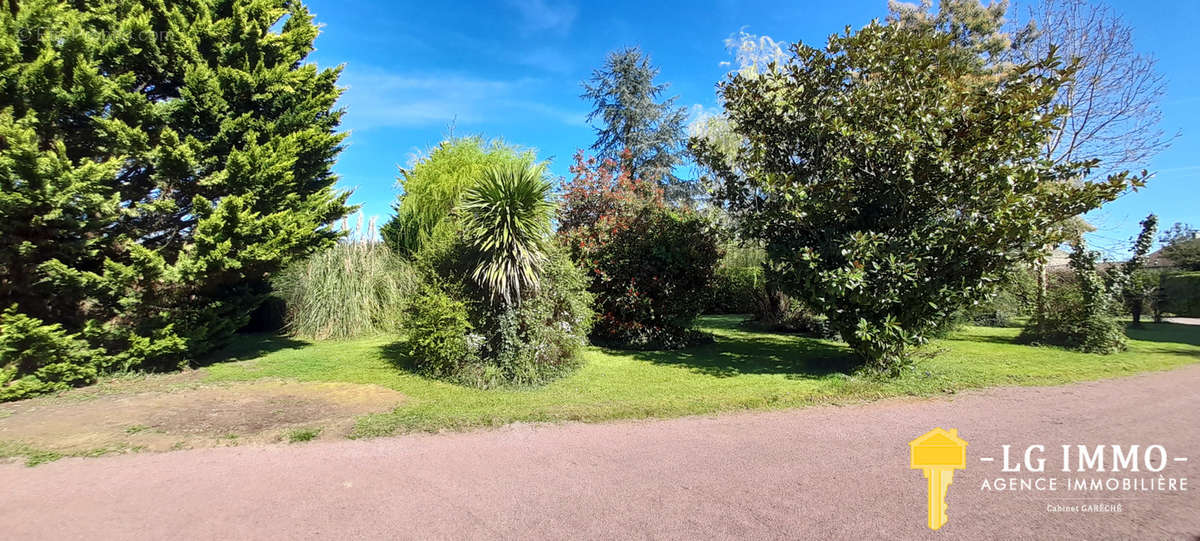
<point>158,161</point>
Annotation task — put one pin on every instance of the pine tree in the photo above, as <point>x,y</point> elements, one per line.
<point>158,161</point>
<point>634,117</point>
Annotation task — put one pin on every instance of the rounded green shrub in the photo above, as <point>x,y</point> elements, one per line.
<point>735,290</point>
<point>438,334</point>
<point>452,332</point>
<point>502,306</point>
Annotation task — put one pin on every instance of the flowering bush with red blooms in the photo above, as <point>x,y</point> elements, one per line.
<point>650,265</point>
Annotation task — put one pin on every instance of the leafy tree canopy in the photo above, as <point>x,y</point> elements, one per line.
<point>1182,246</point>
<point>434,186</point>
<point>894,179</point>
<point>976,30</point>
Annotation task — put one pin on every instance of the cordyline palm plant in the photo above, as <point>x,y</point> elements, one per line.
<point>506,218</point>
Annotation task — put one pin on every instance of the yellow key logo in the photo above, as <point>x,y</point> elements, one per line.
<point>938,452</point>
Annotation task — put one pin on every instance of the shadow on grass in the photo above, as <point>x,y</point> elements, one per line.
<point>965,335</point>
<point>244,347</point>
<point>393,353</point>
<point>1166,332</point>
<point>737,353</point>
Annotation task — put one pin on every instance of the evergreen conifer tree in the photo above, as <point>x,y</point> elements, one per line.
<point>158,161</point>
<point>634,117</point>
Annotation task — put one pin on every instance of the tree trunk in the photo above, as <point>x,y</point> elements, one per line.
<point>1039,314</point>
<point>1157,301</point>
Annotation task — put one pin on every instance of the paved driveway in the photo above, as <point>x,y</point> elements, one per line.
<point>826,472</point>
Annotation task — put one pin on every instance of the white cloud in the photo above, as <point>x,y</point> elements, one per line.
<point>545,15</point>
<point>377,98</point>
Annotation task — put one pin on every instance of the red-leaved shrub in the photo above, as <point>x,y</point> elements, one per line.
<point>649,264</point>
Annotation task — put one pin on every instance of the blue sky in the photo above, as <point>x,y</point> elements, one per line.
<point>512,69</point>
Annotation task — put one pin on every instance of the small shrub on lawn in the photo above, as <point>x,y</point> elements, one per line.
<point>650,266</point>
<point>542,337</point>
<point>451,332</point>
<point>1080,311</point>
<point>502,305</point>
<point>303,434</point>
<point>439,340</point>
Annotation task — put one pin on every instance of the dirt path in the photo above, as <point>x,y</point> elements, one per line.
<point>815,473</point>
<point>180,411</point>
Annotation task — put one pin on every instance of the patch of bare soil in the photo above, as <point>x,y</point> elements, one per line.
<point>188,414</point>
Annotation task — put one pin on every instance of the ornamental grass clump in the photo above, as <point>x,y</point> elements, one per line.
<point>355,288</point>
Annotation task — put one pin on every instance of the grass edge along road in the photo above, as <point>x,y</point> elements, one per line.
<point>743,370</point>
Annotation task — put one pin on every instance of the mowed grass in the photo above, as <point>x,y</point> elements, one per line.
<point>742,370</point>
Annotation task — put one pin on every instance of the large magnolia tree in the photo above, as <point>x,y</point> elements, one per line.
<point>893,177</point>
<point>1112,102</point>
<point>158,161</point>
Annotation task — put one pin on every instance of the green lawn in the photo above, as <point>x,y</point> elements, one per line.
<point>742,370</point>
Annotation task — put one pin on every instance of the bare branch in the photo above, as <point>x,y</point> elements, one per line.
<point>1114,98</point>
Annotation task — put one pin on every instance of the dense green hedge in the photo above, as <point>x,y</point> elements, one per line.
<point>735,290</point>
<point>1182,293</point>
